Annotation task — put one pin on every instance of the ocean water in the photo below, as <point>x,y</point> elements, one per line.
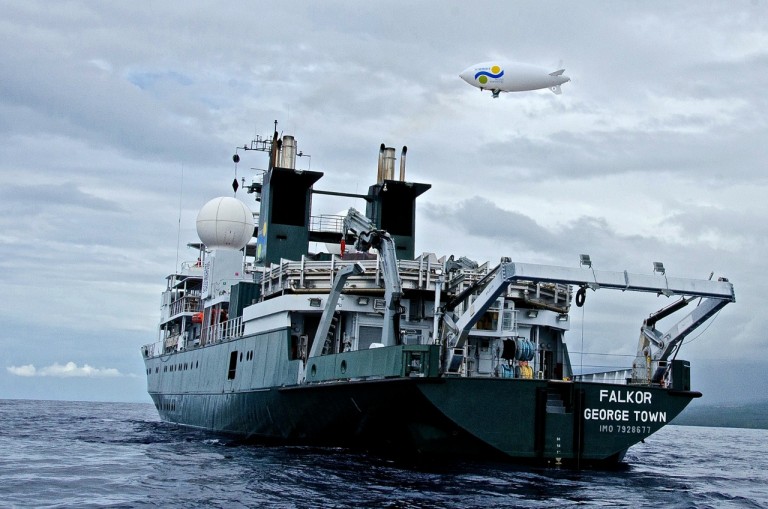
<point>78,454</point>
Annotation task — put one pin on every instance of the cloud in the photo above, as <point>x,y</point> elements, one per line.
<point>26,370</point>
<point>66,194</point>
<point>68,370</point>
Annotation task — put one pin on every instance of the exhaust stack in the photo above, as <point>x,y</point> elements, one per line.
<point>388,163</point>
<point>402,163</point>
<point>380,168</point>
<point>288,152</point>
<point>274,151</point>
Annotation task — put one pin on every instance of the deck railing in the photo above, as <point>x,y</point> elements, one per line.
<point>216,333</point>
<point>186,304</point>
<point>423,273</point>
<point>223,331</point>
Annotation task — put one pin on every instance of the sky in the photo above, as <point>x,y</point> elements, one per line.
<point>118,121</point>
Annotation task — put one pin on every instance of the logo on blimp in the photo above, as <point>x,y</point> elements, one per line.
<point>496,72</point>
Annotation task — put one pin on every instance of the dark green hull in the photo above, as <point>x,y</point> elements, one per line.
<point>569,423</point>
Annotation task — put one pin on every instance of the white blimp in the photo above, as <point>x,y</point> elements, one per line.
<point>512,77</point>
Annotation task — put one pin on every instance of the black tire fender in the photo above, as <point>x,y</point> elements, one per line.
<point>581,296</point>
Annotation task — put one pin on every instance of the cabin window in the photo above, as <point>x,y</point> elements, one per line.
<point>232,365</point>
<point>489,321</point>
<point>507,321</point>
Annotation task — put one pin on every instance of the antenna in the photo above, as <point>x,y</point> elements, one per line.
<point>178,230</point>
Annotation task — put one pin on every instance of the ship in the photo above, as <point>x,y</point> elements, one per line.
<point>366,345</point>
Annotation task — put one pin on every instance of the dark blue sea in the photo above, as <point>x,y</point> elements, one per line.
<point>78,454</point>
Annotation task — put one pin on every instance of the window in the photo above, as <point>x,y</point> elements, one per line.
<point>232,365</point>
<point>489,321</point>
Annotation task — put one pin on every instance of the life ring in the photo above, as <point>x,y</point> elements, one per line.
<point>581,296</point>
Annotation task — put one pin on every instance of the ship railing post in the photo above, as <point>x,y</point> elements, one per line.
<point>301,274</point>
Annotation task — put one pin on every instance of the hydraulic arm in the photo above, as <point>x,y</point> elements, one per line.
<point>368,236</point>
<point>714,296</point>
<point>330,307</point>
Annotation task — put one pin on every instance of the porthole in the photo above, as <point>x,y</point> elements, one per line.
<point>313,371</point>
<point>343,367</point>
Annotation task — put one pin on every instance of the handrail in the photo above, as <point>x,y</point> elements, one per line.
<point>223,331</point>
<point>186,304</point>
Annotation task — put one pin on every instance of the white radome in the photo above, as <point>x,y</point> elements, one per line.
<point>225,223</point>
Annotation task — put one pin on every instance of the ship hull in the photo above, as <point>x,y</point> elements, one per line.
<point>382,349</point>
<point>538,421</point>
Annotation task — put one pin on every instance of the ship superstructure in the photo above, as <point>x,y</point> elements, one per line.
<point>372,346</point>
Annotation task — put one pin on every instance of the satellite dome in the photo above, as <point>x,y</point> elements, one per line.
<point>225,223</point>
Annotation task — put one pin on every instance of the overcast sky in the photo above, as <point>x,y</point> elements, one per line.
<point>118,121</point>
